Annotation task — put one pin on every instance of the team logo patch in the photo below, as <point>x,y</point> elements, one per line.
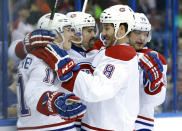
<point>122,9</point>
<point>48,16</point>
<point>142,18</point>
<point>73,16</point>
<point>108,70</point>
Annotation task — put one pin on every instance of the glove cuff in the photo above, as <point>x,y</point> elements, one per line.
<point>46,103</point>
<point>69,85</point>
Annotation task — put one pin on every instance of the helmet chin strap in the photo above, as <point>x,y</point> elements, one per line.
<point>102,39</point>
<point>61,43</point>
<point>80,42</point>
<point>120,37</point>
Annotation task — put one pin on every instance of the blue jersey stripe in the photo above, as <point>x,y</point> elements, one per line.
<point>63,129</point>
<point>143,123</point>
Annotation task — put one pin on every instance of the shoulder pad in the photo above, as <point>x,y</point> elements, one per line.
<point>121,52</point>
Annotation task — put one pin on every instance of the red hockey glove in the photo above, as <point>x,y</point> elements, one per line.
<point>37,39</point>
<point>68,106</point>
<point>58,60</point>
<point>152,66</point>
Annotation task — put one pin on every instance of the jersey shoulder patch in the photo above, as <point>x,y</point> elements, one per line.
<point>121,52</point>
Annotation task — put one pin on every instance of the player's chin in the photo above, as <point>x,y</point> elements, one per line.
<point>139,46</point>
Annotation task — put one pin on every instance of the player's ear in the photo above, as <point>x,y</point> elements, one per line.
<point>121,31</point>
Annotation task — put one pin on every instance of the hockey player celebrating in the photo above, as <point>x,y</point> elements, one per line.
<point>109,91</point>
<point>41,100</point>
<point>115,79</point>
<point>82,50</point>
<point>153,68</point>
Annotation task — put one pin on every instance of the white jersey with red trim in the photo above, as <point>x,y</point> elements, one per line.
<point>112,91</point>
<point>35,78</point>
<point>84,59</point>
<point>145,119</point>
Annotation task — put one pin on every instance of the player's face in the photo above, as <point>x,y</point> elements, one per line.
<point>138,39</point>
<point>68,36</point>
<point>89,35</point>
<point>108,34</point>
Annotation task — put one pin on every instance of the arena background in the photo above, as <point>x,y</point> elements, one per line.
<point>18,17</point>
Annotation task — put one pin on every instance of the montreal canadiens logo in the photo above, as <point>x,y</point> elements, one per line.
<point>48,16</point>
<point>122,9</point>
<point>73,15</point>
<point>142,18</point>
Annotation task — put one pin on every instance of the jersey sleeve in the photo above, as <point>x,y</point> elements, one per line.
<point>16,51</point>
<point>11,51</point>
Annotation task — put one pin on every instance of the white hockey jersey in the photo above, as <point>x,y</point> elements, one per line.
<point>112,92</point>
<point>35,78</point>
<point>84,59</point>
<point>145,119</point>
<point>46,81</point>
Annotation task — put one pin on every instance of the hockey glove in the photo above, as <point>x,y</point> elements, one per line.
<point>152,68</point>
<point>58,60</point>
<point>37,39</point>
<point>68,106</point>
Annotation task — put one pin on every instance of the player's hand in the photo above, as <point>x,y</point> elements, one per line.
<point>152,76</point>
<point>152,66</point>
<point>68,106</point>
<point>37,39</point>
<point>58,60</point>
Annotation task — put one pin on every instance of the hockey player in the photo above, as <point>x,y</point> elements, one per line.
<point>112,91</point>
<point>82,50</point>
<point>109,91</point>
<point>153,82</point>
<point>41,100</point>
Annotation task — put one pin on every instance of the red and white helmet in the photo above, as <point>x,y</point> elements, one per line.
<point>142,24</point>
<point>116,15</point>
<point>58,22</point>
<point>80,20</point>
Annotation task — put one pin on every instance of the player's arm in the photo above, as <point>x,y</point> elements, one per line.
<point>16,51</point>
